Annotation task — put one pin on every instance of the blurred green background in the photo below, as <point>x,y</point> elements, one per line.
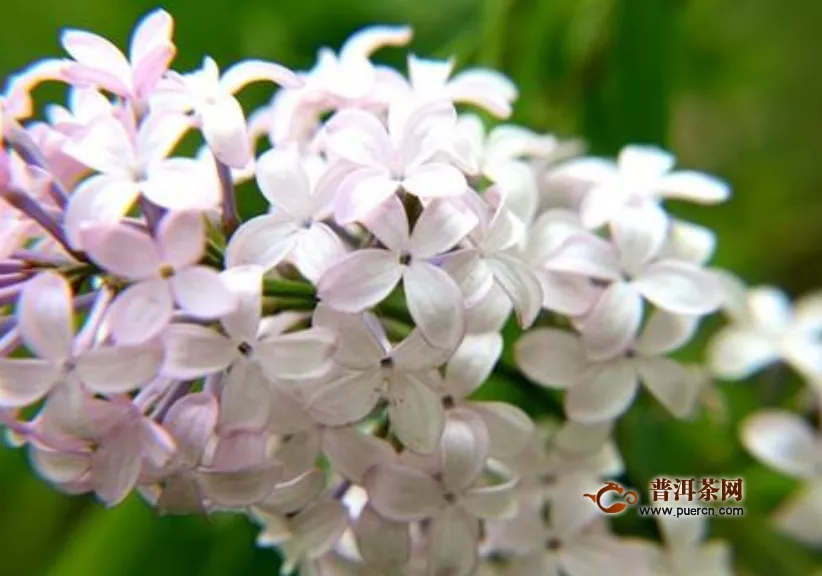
<point>731,87</point>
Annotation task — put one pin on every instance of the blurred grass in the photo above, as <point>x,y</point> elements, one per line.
<point>731,89</point>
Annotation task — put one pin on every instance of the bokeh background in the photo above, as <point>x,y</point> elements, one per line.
<point>733,88</point>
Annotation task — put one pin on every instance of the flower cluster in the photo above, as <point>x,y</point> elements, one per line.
<point>314,366</point>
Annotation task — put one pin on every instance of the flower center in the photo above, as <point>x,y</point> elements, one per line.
<point>245,349</point>
<point>166,271</point>
<point>405,258</point>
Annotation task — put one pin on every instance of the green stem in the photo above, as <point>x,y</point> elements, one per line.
<point>289,288</point>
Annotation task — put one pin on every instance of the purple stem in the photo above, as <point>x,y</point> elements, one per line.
<point>35,257</point>
<point>30,152</point>
<point>231,218</point>
<point>8,280</point>
<point>9,294</point>
<point>152,213</point>
<point>11,266</point>
<point>30,207</point>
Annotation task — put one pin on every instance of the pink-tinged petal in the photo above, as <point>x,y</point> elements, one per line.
<point>97,200</point>
<point>140,312</point>
<point>149,70</point>
<point>552,358</point>
<point>603,395</point>
<point>105,146</point>
<point>155,28</point>
<point>415,354</point>
<point>362,347</point>
<point>601,204</point>
<point>586,255</point>
<point>182,184</point>
<point>347,397</point>
<point>45,316</point>
<point>589,169</point>
<point>303,354</point>
<point>487,89</point>
<point>264,240</point>
<point>434,180</point>
<point>290,497</point>
<point>361,192</point>
<point>191,421</point>
<point>159,133</point>
<point>737,353</point>
<point>316,250</point>
<point>59,467</point>
<point>360,280</point>
<point>359,137</point>
<point>119,369</point>
<point>284,182</point>
<point>241,488</point>
<point>612,324</point>
<point>490,314</point>
<point>439,228</point>
<point>453,542</point>
<point>122,250</point>
<point>383,544</point>
<point>314,532</point>
<point>435,303</point>
<point>24,381</point>
<point>680,287</point>
<point>353,453</point>
<point>201,292</point>
<point>783,441</point>
<point>246,282</point>
<point>158,445</point>
<point>287,413</point>
<point>689,242</point>
<point>471,274</point>
<point>472,363</point>
<point>181,238</point>
<point>401,493</point>
<point>492,502</point>
<point>116,464</point>
<point>99,55</point>
<point>416,414</point>
<point>566,293</point>
<point>521,286</point>
<point>639,234</point>
<point>368,40</point>
<point>673,385</point>
<point>644,162</point>
<point>243,73</point>
<point>389,224</point>
<point>246,399</point>
<point>510,430</point>
<point>224,129</point>
<point>463,449</point>
<point>665,332</point>
<point>181,495</point>
<point>192,351</point>
<point>694,186</point>
<point>299,452</point>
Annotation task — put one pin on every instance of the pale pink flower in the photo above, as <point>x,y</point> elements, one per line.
<point>393,156</point>
<point>164,270</point>
<point>640,179</point>
<point>787,443</point>
<point>98,62</point>
<point>210,96</point>
<point>46,320</point>
<point>487,89</point>
<point>599,391</point>
<point>369,369</point>
<point>293,230</point>
<point>366,277</point>
<point>766,328</point>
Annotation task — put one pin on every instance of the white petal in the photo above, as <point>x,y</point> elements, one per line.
<point>224,129</point>
<point>246,282</point>
<point>119,369</point>
<point>303,354</point>
<point>100,199</point>
<point>491,502</point>
<point>586,255</point>
<point>348,397</point>
<point>402,493</point>
<point>362,348</point>
<point>472,363</point>
<point>470,272</point>
<point>670,383</point>
<point>439,228</point>
<point>639,234</point>
<point>191,421</point>
<point>241,488</point>
<point>45,316</point>
<point>414,354</point>
<point>24,381</point>
<point>123,250</point>
<point>800,516</point>
<point>316,250</point>
<point>612,324</point>
<point>552,358</point>
<point>181,238</point>
<point>452,547</point>
<point>353,453</point>
<point>360,280</point>
<point>264,240</point>
<point>644,162</point>
<point>736,353</point>
<point>192,351</point>
<point>510,430</point>
<point>521,286</point>
<point>201,292</point>
<point>690,242</point>
<point>680,287</point>
<point>382,543</point>
<point>246,398</point>
<point>292,496</point>
<point>783,441</point>
<point>247,71</point>
<point>116,464</point>
<point>140,312</point>
<point>665,332</point>
<point>434,180</point>
<point>315,531</point>
<point>416,414</point>
<point>182,184</point>
<point>435,303</point>
<point>694,186</point>
<point>566,293</point>
<point>463,449</point>
<point>361,192</point>
<point>389,223</point>
<point>603,395</point>
<point>284,182</point>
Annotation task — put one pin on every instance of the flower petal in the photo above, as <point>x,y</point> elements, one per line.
<point>492,502</point>
<point>24,381</point>
<point>116,464</point>
<point>416,414</point>
<point>472,363</point>
<point>119,369</point>
<point>284,182</point>
<point>246,282</point>
<point>463,449</point>
<point>665,332</point>
<point>551,358</point>
<point>347,397</point>
<point>201,292</point>
<point>45,316</point>
<point>383,544</point>
<point>316,250</point>
<point>389,223</point>
<point>435,303</point>
<point>181,238</point>
<point>96,54</point>
<point>439,228</point>
<point>434,180</point>
<point>736,353</point>
<point>192,351</point>
<point>140,312</point>
<point>264,240</point>
<point>241,488</point>
<point>680,287</point>
<point>122,250</point>
<point>603,395</point>
<point>671,383</point>
<point>783,441</point>
<point>303,354</point>
<point>360,280</point>
<point>353,453</point>
<point>510,430</point>
<point>361,192</point>
<point>182,184</point>
<point>101,199</point>
<point>224,129</point>
<point>521,286</point>
<point>639,234</point>
<point>694,186</point>
<point>612,324</point>
<point>401,493</point>
<point>452,547</point>
<point>191,422</point>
